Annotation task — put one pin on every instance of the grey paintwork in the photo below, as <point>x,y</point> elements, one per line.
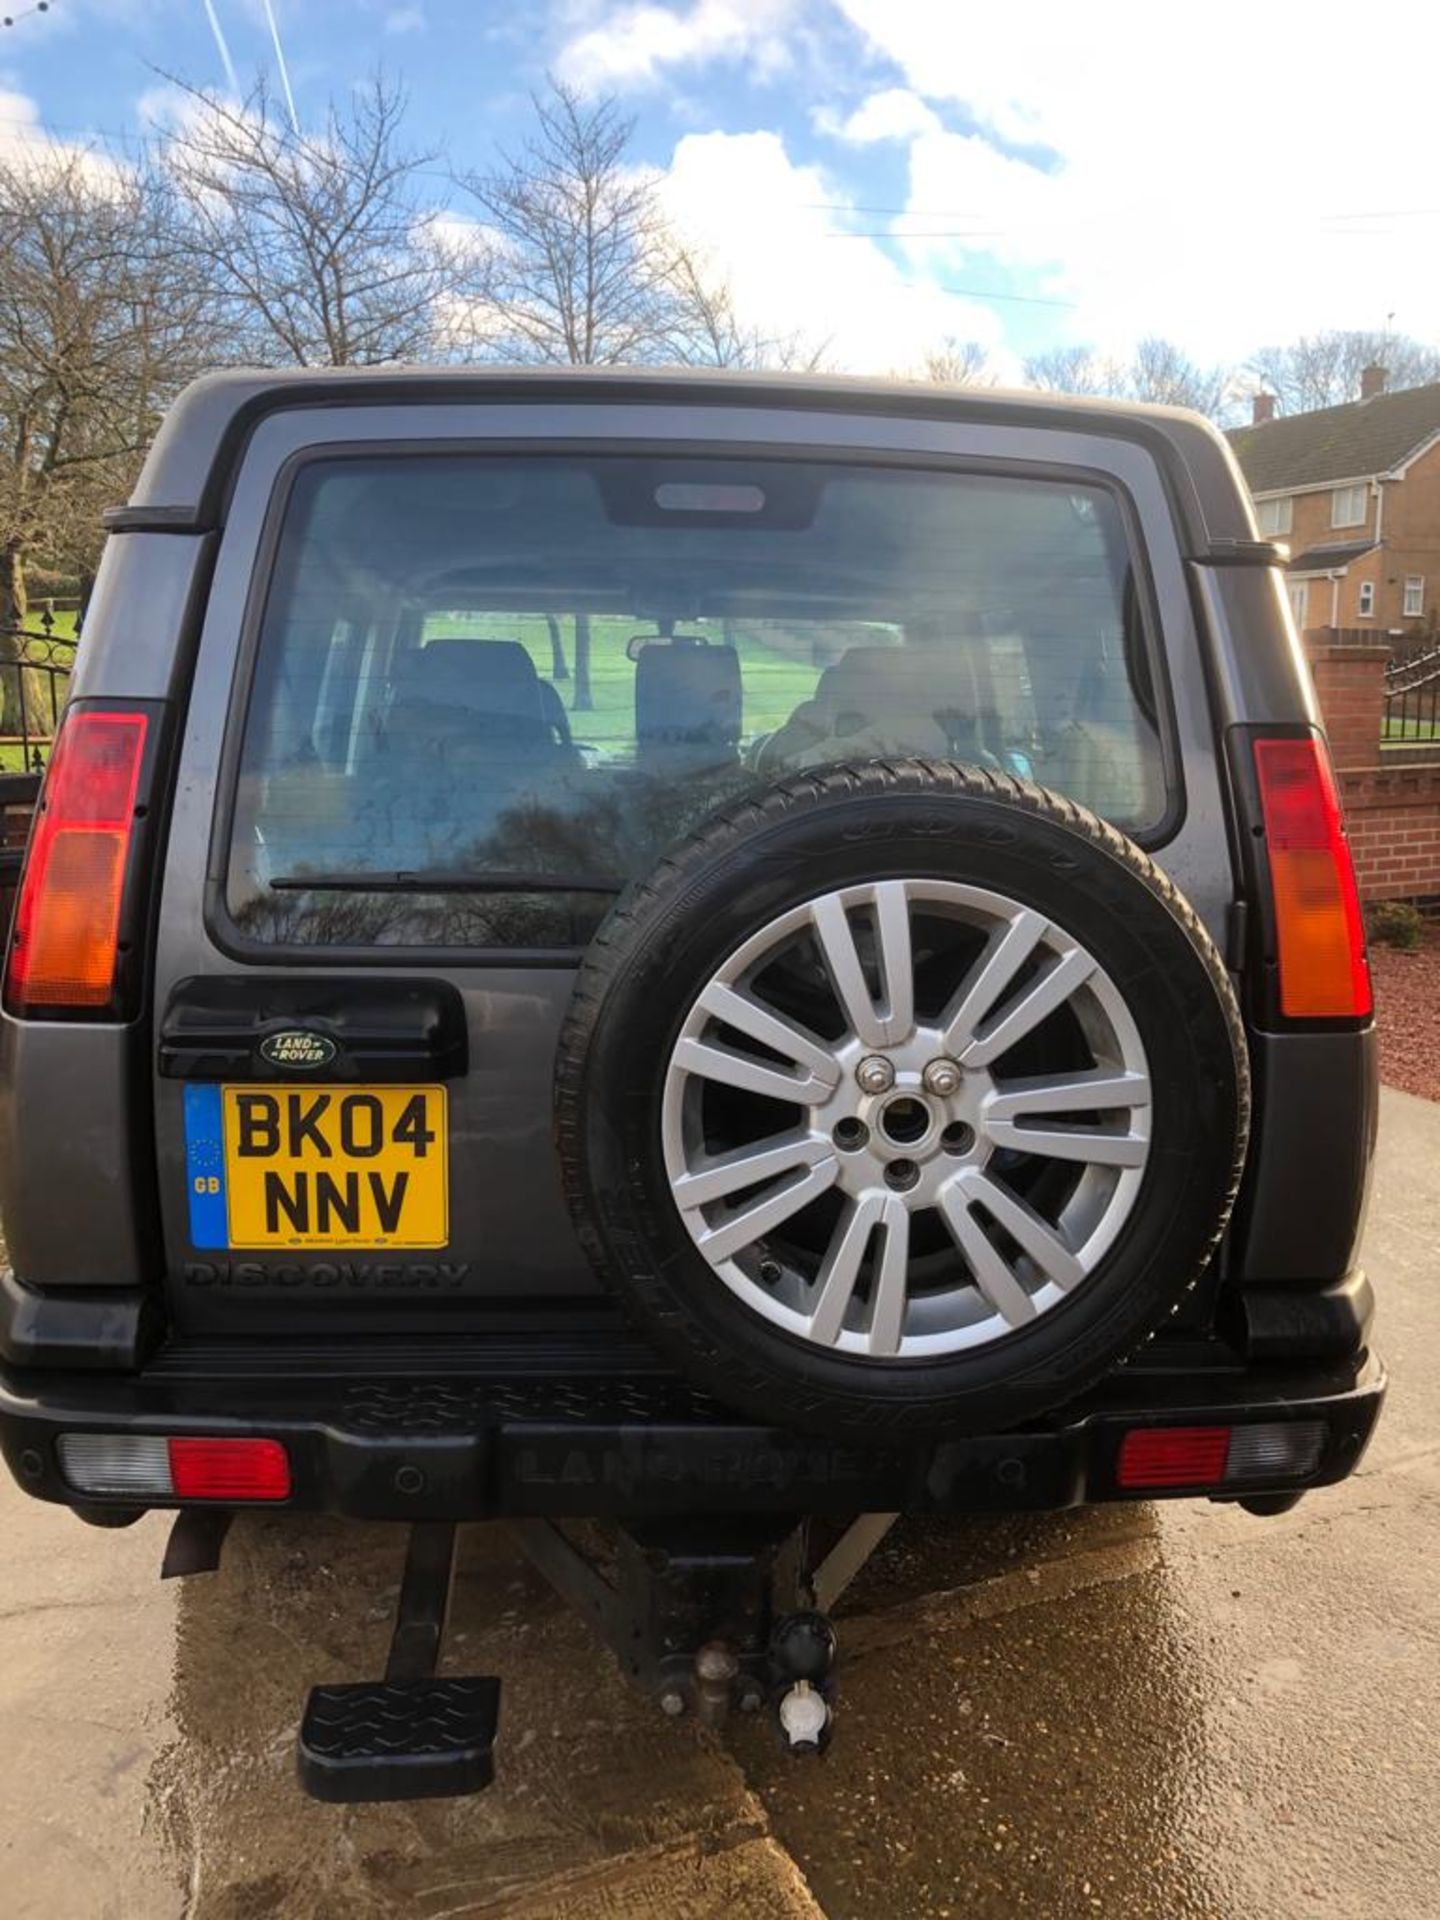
<point>508,1220</point>
<point>216,465</point>
<point>76,1178</point>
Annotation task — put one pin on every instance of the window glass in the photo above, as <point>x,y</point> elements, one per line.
<point>1347,507</point>
<point>490,691</point>
<point>1414,596</point>
<point>1275,517</point>
<point>1367,598</point>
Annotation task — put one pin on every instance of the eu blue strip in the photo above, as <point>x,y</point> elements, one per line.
<point>205,1167</point>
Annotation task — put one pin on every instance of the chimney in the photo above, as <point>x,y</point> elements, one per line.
<point>1262,408</point>
<point>1372,381</point>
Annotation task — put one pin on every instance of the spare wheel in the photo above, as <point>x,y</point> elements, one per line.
<point>903,1096</point>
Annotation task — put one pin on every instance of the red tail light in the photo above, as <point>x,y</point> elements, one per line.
<point>1173,1457</point>
<point>67,918</point>
<point>229,1470</point>
<point>1320,935</point>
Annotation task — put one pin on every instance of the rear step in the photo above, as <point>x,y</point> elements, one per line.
<point>411,1736</point>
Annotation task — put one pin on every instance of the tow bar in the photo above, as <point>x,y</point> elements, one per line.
<point>707,1616</point>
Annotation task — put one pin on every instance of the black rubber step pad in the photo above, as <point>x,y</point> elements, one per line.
<point>399,1740</point>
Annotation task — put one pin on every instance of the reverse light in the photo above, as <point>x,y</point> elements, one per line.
<point>175,1469</point>
<point>1320,936</point>
<point>1157,1458</point>
<point>65,944</point>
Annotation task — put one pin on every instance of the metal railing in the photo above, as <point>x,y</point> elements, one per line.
<point>36,663</point>
<point>1412,698</point>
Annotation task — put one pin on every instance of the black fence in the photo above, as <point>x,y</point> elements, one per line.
<point>36,663</point>
<point>1412,698</point>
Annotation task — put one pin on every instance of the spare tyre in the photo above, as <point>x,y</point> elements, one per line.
<point>901,1096</point>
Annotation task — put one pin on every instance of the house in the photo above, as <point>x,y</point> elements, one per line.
<point>1354,492</point>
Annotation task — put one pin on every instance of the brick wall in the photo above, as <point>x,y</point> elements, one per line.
<point>1391,793</point>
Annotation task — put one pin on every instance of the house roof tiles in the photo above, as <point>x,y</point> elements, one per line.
<point>1337,443</point>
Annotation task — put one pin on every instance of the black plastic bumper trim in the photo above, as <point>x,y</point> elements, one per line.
<point>1285,1325</point>
<point>83,1329</point>
<point>628,1449</point>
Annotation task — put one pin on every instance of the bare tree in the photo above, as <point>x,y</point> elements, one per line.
<point>99,326</point>
<point>708,330</point>
<point>582,269</point>
<point>1161,372</point>
<point>1157,371</point>
<point>1323,369</point>
<point>322,244</point>
<point>958,363</point>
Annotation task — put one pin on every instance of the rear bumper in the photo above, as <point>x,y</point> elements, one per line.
<point>645,1446</point>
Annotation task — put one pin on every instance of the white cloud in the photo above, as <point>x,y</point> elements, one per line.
<point>404,20</point>
<point>770,225</point>
<point>1209,177</point>
<point>895,114</point>
<point>636,44</point>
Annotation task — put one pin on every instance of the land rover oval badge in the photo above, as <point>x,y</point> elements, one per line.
<point>297,1050</point>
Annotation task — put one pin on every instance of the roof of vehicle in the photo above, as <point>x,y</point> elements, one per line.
<point>183,483</point>
<point>1350,442</point>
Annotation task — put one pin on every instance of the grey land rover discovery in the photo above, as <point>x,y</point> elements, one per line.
<point>725,957</point>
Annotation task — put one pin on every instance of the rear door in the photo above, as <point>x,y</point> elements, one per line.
<point>466,670</point>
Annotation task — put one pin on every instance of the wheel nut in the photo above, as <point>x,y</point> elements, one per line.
<point>875,1073</point>
<point>942,1077</point>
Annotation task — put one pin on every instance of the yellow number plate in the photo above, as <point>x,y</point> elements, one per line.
<point>335,1166</point>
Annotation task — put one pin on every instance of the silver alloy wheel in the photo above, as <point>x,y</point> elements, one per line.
<point>872,1281</point>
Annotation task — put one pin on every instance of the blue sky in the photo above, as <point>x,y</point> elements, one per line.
<point>880,174</point>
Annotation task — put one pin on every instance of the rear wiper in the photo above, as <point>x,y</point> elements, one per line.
<point>445,881</point>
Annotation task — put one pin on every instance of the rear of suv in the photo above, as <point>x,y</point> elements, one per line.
<point>696,952</point>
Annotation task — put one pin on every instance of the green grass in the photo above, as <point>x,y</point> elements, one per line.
<point>63,627</point>
<point>774,680</point>
<point>1416,729</point>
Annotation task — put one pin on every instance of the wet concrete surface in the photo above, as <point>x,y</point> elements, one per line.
<point>1147,1711</point>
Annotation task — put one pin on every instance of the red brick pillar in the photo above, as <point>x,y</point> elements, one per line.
<point>1349,673</point>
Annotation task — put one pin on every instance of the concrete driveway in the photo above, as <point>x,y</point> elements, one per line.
<point>1147,1711</point>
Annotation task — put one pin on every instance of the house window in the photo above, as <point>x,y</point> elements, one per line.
<point>1414,595</point>
<point>1347,506</point>
<point>1275,516</point>
<point>1367,599</point>
<point>1299,601</point>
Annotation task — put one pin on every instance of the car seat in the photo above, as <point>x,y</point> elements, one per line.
<point>889,700</point>
<point>687,706</point>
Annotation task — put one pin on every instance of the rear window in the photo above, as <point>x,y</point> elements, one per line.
<point>489,691</point>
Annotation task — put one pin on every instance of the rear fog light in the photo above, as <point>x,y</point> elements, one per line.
<point>179,1469</point>
<point>1173,1457</point>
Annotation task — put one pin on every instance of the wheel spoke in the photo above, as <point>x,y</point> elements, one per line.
<point>1073,1143</point>
<point>840,1269</point>
<point>764,1215</point>
<point>747,1016</point>
<point>872,1026</point>
<point>1036,1236</point>
<point>1044,1095</point>
<point>888,1290</point>
<point>724,1174</point>
<point>988,983</point>
<point>1094,1090</point>
<point>897,964</point>
<point>987,1265</point>
<point>733,1069</point>
<point>1036,1003</point>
